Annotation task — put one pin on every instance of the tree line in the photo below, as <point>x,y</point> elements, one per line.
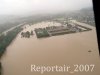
<point>5,40</point>
<point>26,34</point>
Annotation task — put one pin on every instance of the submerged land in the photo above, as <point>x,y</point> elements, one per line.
<point>49,39</point>
<point>79,47</point>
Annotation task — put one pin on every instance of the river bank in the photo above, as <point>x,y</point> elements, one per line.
<point>5,41</point>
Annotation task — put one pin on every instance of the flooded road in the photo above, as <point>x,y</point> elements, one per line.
<point>56,50</point>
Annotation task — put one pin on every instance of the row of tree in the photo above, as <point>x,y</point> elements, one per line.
<point>27,34</point>
<point>5,40</point>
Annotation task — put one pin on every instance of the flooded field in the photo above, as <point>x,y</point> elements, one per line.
<point>56,50</point>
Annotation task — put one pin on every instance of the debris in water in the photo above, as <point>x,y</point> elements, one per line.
<point>89,51</point>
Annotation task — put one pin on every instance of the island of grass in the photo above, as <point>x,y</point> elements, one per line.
<point>41,32</point>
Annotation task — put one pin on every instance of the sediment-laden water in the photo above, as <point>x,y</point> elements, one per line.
<point>56,50</point>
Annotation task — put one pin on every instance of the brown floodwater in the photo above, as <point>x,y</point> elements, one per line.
<point>56,50</point>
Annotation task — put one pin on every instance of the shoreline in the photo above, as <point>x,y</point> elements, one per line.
<point>4,45</point>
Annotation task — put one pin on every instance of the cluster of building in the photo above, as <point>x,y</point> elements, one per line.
<point>57,30</point>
